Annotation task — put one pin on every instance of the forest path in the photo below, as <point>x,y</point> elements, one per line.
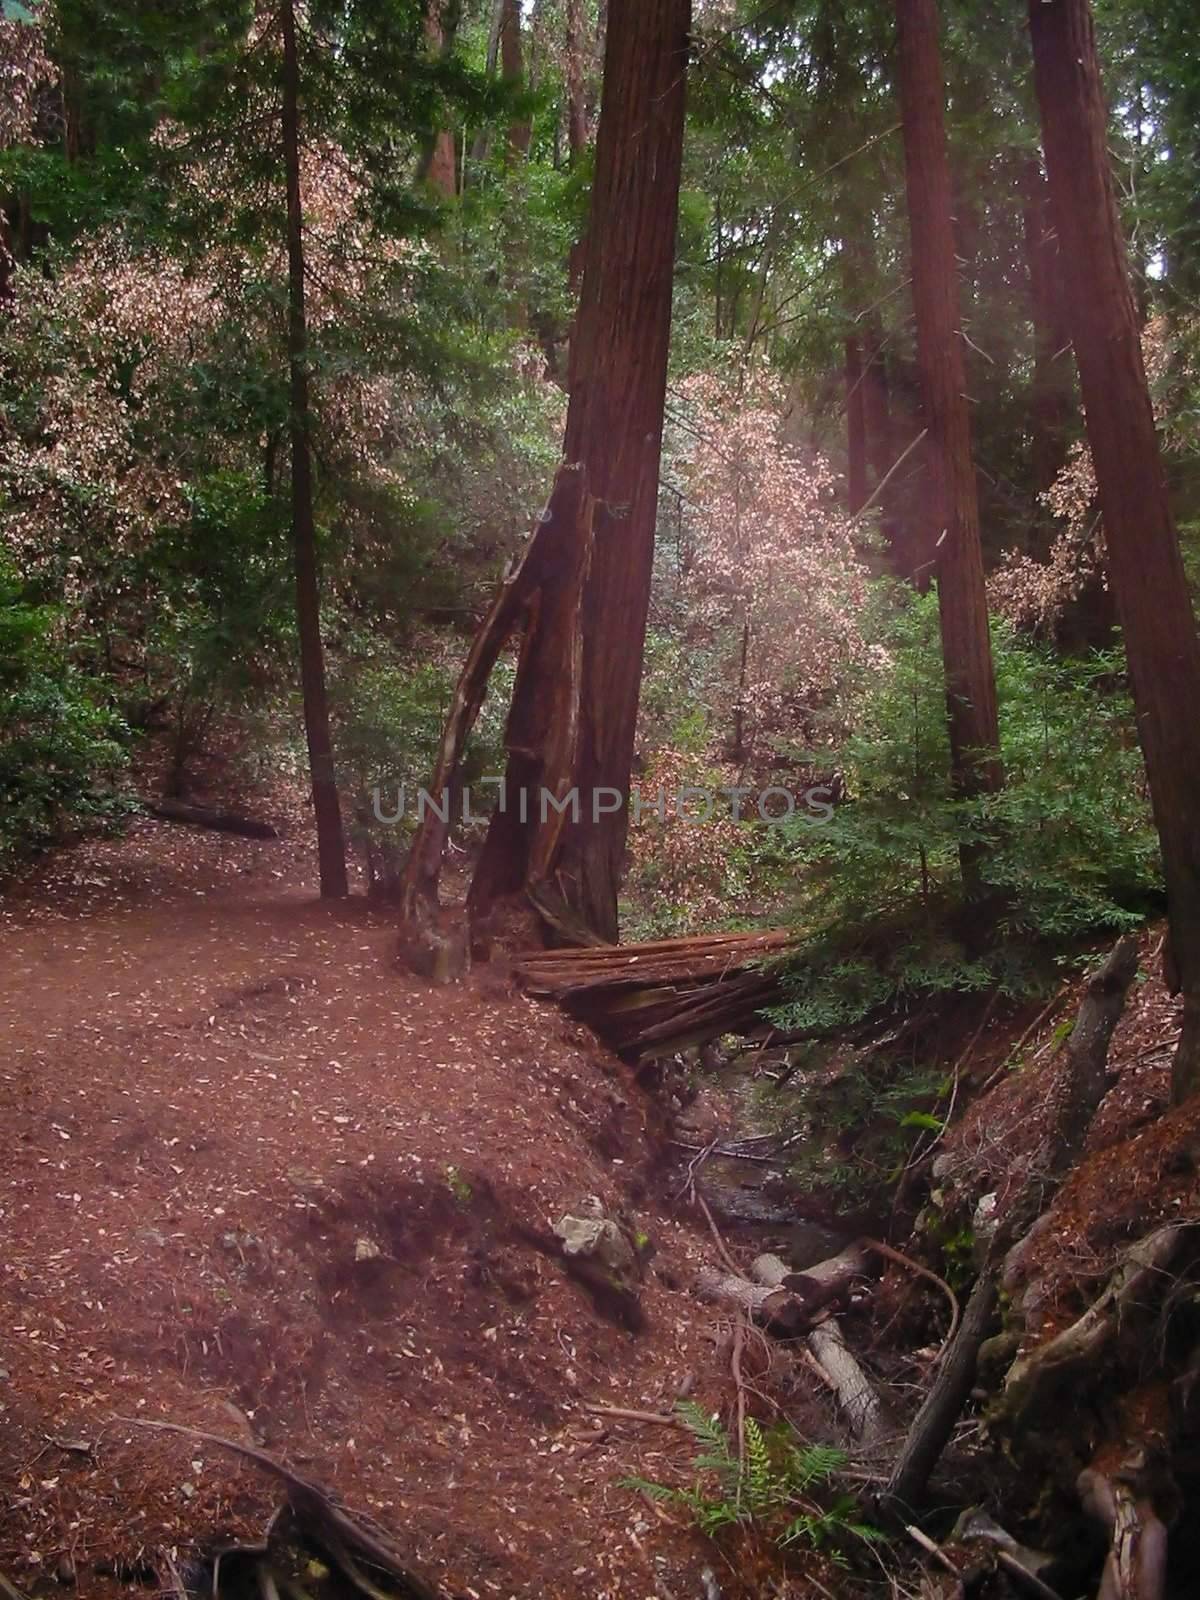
<point>261,1180</point>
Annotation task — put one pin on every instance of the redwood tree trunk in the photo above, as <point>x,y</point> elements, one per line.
<point>1144,563</point>
<point>1052,397</point>
<point>962,604</point>
<point>576,80</point>
<point>512,70</point>
<point>856,428</point>
<point>614,433</point>
<point>331,848</point>
<point>439,165</point>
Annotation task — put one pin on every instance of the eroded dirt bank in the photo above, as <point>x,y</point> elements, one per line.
<point>259,1180</point>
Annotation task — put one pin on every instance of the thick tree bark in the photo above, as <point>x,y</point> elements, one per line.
<point>512,70</point>
<point>1053,392</point>
<point>439,164</point>
<point>331,846</point>
<point>614,431</point>
<point>1144,563</point>
<point>576,80</point>
<point>856,428</point>
<point>962,603</point>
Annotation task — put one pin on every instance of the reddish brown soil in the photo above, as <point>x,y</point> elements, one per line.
<point>1141,1163</point>
<point>260,1180</point>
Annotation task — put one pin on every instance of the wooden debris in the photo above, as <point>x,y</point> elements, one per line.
<point>1136,1568</point>
<point>652,999</point>
<point>344,1536</point>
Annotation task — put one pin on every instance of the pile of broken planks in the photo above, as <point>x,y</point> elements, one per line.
<point>647,1000</point>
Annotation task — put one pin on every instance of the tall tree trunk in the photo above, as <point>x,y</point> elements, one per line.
<point>581,591</point>
<point>331,847</point>
<point>614,432</point>
<point>576,80</point>
<point>1144,563</point>
<point>1052,397</point>
<point>6,261</point>
<point>962,603</point>
<point>856,427</point>
<point>512,70</point>
<point>439,164</point>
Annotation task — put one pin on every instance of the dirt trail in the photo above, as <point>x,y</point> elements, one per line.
<point>258,1179</point>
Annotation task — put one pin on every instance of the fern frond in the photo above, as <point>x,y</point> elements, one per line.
<point>661,1493</point>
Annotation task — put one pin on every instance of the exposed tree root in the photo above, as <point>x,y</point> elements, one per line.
<point>344,1536</point>
<point>1139,1279</point>
<point>1136,1568</point>
<point>1078,1094</point>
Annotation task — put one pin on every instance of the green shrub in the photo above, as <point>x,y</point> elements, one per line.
<point>1069,847</point>
<point>59,743</point>
<point>389,721</point>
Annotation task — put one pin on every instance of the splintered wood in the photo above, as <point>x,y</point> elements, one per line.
<point>651,999</point>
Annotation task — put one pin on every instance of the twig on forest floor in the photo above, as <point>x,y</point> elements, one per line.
<point>735,1369</point>
<point>1047,1010</point>
<point>9,1590</point>
<point>933,1549</point>
<point>624,1414</point>
<point>716,1233</point>
<point>1022,1575</point>
<point>902,1260</point>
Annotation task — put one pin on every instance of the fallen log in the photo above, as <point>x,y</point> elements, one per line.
<point>652,999</point>
<point>207,817</point>
<point>857,1399</point>
<point>767,1306</point>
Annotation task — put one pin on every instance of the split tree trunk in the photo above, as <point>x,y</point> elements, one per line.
<point>962,603</point>
<point>584,600</point>
<point>331,845</point>
<point>1144,563</point>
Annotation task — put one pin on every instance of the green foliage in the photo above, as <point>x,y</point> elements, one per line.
<point>860,1124</point>
<point>772,1486</point>
<point>58,741</point>
<point>1068,847</point>
<point>388,717</point>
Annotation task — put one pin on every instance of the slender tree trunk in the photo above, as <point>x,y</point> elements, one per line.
<point>877,422</point>
<point>856,427</point>
<point>331,848</point>
<point>962,603</point>
<point>1144,563</point>
<point>614,433</point>
<point>576,80</point>
<point>6,262</point>
<point>1052,397</point>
